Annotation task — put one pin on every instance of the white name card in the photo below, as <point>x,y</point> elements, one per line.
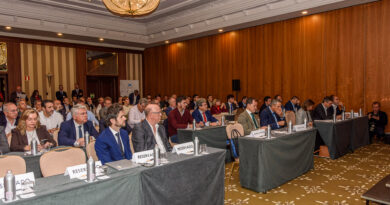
<point>79,171</point>
<point>183,148</point>
<point>21,180</point>
<point>143,157</point>
<point>257,133</point>
<point>298,128</point>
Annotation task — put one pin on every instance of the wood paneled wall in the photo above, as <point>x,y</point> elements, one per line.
<point>344,52</point>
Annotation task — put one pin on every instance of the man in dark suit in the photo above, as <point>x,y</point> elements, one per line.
<point>279,97</point>
<point>292,105</point>
<point>321,112</point>
<point>377,121</point>
<point>18,94</point>
<point>272,115</point>
<point>336,104</point>
<point>202,115</point>
<point>61,94</point>
<point>77,92</point>
<point>134,97</point>
<point>72,132</point>
<point>231,104</point>
<point>267,101</point>
<point>113,143</point>
<point>171,106</point>
<point>148,133</point>
<point>242,104</point>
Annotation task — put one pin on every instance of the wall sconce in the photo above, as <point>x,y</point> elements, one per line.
<point>49,78</point>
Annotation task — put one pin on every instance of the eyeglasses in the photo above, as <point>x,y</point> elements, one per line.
<point>156,112</point>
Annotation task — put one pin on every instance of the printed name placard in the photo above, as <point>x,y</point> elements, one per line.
<point>79,171</point>
<point>183,148</point>
<point>21,180</point>
<point>298,128</point>
<point>257,133</point>
<point>143,157</point>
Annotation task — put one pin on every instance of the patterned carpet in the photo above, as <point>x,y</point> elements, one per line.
<point>332,182</point>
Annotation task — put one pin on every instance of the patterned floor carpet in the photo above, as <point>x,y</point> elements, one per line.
<point>331,182</point>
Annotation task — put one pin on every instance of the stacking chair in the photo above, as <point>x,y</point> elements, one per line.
<point>11,162</point>
<point>55,136</point>
<point>91,151</point>
<point>234,131</point>
<point>290,116</point>
<point>131,142</point>
<point>56,161</point>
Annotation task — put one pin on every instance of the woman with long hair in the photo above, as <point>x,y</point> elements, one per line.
<point>28,129</point>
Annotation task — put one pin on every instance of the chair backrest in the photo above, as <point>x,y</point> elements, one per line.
<point>55,136</point>
<point>11,162</point>
<point>97,128</point>
<point>91,150</point>
<point>290,116</point>
<point>56,161</point>
<point>231,127</point>
<point>131,142</point>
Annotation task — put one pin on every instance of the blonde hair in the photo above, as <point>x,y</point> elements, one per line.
<point>22,121</point>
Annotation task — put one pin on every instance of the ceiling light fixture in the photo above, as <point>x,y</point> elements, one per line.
<point>8,27</point>
<point>131,7</point>
<point>101,39</point>
<point>304,12</point>
<point>166,42</point>
<point>220,30</point>
<point>59,34</point>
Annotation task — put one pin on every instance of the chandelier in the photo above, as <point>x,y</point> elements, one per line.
<point>131,7</point>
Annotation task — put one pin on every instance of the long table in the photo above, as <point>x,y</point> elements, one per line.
<point>379,193</point>
<point>214,136</point>
<point>184,180</point>
<point>343,136</point>
<point>268,163</point>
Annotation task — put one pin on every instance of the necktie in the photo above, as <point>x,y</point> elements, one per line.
<point>120,144</point>
<point>254,120</point>
<point>204,117</point>
<point>276,119</point>
<point>231,107</point>
<point>80,132</point>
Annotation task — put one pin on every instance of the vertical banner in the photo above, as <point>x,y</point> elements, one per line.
<point>128,86</point>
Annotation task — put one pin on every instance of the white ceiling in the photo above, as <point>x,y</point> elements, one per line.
<point>84,21</point>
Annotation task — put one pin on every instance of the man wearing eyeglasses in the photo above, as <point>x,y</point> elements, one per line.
<point>9,117</point>
<point>148,133</point>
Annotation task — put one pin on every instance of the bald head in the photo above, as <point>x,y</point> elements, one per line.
<point>153,113</point>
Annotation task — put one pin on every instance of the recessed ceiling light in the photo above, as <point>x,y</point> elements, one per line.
<point>8,27</point>
<point>304,12</point>
<point>101,39</point>
<point>220,30</point>
<point>59,34</point>
<point>166,42</point>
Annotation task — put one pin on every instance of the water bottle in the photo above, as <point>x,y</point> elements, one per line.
<point>90,169</point>
<point>268,132</point>
<point>9,186</point>
<point>156,154</point>
<point>334,117</point>
<point>352,114</point>
<point>360,112</point>
<point>223,120</point>
<point>193,124</point>
<point>305,122</point>
<point>343,115</point>
<point>34,147</point>
<point>289,130</point>
<point>196,146</point>
<point>86,139</point>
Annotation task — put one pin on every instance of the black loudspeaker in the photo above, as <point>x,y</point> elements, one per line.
<point>236,85</point>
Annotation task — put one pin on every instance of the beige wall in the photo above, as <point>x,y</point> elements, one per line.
<point>134,68</point>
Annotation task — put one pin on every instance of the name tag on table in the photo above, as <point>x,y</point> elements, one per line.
<point>298,128</point>
<point>257,133</point>
<point>21,181</point>
<point>143,157</point>
<point>80,170</point>
<point>183,148</point>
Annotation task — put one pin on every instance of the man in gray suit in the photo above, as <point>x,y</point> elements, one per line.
<point>247,118</point>
<point>4,147</point>
<point>148,133</point>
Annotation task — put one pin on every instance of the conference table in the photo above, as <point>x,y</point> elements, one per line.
<point>343,136</point>
<point>212,136</point>
<point>186,179</point>
<point>379,193</point>
<point>268,163</point>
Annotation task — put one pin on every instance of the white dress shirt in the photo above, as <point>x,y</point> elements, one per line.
<point>116,139</point>
<point>31,135</point>
<point>157,137</point>
<point>135,116</point>
<point>9,126</point>
<point>54,121</point>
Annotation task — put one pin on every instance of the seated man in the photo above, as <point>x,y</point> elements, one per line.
<point>292,105</point>
<point>243,102</point>
<point>38,105</point>
<point>202,115</point>
<point>113,143</point>
<point>267,102</point>
<point>136,113</point>
<point>90,116</point>
<point>231,104</point>
<point>279,97</point>
<point>50,118</point>
<point>377,120</point>
<point>247,118</point>
<point>4,146</point>
<point>9,118</point>
<point>321,111</point>
<point>72,132</point>
<point>272,115</point>
<point>148,133</point>
<point>336,105</point>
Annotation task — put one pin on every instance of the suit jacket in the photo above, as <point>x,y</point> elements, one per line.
<point>263,106</point>
<point>175,120</point>
<point>77,94</point>
<point>60,96</point>
<point>319,113</point>
<point>289,106</point>
<point>227,106</point>
<point>266,118</point>
<point>67,133</point>
<point>168,110</point>
<point>62,113</point>
<point>241,105</point>
<point>216,110</point>
<point>143,137</point>
<point>107,148</point>
<point>199,118</point>
<point>301,115</point>
<point>19,141</point>
<point>13,97</point>
<point>331,110</point>
<point>3,120</point>
<point>131,98</point>
<point>247,123</point>
<point>4,146</point>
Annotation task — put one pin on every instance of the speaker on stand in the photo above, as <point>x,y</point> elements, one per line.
<point>236,87</point>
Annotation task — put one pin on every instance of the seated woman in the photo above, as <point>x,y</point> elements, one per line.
<point>304,112</point>
<point>218,107</point>
<point>29,128</point>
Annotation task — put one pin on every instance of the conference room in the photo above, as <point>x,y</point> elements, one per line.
<point>232,102</point>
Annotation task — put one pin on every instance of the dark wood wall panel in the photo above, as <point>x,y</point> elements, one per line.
<point>344,52</point>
